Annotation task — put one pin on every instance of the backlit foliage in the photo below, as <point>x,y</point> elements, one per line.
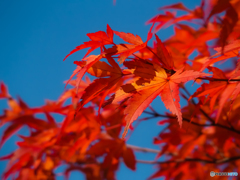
<point>201,137</point>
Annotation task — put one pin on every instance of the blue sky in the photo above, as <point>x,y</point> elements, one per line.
<point>35,36</point>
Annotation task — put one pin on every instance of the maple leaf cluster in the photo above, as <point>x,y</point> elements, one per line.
<point>127,78</point>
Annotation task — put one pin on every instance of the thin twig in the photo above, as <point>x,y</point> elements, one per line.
<point>215,79</point>
<point>219,161</point>
<point>197,124</point>
<point>136,148</point>
<point>208,117</point>
<point>202,111</point>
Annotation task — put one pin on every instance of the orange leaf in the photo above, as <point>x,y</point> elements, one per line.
<point>98,39</point>
<point>129,158</point>
<point>4,91</point>
<point>138,97</point>
<point>130,38</point>
<point>80,71</point>
<point>163,55</point>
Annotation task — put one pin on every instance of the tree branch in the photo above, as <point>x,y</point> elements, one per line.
<point>209,118</point>
<point>219,161</point>
<point>197,124</point>
<point>136,148</point>
<point>194,103</point>
<point>215,79</point>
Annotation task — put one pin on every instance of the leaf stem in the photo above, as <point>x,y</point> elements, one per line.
<point>153,52</point>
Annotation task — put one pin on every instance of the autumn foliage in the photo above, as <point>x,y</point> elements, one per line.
<point>201,137</point>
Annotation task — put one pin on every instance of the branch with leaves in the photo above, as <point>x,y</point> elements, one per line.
<point>92,138</point>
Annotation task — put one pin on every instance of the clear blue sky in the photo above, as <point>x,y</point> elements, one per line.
<point>35,36</point>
